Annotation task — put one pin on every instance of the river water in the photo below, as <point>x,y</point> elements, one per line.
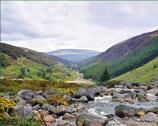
<point>103,106</point>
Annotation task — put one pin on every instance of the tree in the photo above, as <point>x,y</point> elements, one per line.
<point>105,76</point>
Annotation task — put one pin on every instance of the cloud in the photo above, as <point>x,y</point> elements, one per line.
<point>45,26</point>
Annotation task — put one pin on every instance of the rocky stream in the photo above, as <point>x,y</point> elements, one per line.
<point>125,104</point>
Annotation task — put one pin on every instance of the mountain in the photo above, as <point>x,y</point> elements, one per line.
<point>74,55</point>
<point>144,74</point>
<point>39,57</point>
<point>23,63</point>
<point>124,56</point>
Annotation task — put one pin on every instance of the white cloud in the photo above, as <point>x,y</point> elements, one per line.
<point>45,26</point>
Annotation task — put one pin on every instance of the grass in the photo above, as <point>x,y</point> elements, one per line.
<point>143,74</point>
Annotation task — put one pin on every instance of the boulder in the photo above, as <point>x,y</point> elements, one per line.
<point>43,113</point>
<point>151,97</point>
<point>26,94</point>
<point>61,110</point>
<point>81,92</point>
<point>48,107</point>
<point>43,94</point>
<point>38,98</point>
<point>68,116</point>
<point>24,111</point>
<point>150,117</point>
<point>153,91</point>
<point>90,92</point>
<point>88,119</point>
<point>115,122</point>
<point>48,119</point>
<point>19,100</point>
<point>83,99</point>
<point>123,110</point>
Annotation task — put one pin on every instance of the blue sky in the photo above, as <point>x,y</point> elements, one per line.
<point>46,26</point>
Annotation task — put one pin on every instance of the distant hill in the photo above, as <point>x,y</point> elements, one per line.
<point>22,63</point>
<point>74,55</point>
<point>124,56</point>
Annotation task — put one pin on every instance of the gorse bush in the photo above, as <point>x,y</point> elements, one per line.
<point>57,99</point>
<point>5,104</point>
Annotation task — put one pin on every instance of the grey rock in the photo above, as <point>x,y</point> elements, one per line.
<point>23,92</point>
<point>80,92</point>
<point>20,101</point>
<point>24,111</point>
<point>48,107</point>
<point>83,99</point>
<point>90,92</point>
<point>124,110</point>
<point>38,98</point>
<point>43,94</point>
<point>61,110</point>
<point>67,98</point>
<point>88,119</point>
<point>36,107</point>
<point>26,94</point>
<point>151,97</point>
<point>115,122</point>
<point>150,117</point>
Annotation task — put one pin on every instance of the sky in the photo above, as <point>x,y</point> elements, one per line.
<point>45,25</point>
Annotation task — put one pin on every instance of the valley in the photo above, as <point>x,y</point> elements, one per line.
<point>75,87</point>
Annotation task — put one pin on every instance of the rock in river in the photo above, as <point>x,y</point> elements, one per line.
<point>150,117</point>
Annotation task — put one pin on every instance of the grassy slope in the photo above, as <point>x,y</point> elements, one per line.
<point>13,70</point>
<point>124,64</point>
<point>143,74</point>
<point>59,71</point>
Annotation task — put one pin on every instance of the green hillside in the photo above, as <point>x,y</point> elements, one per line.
<point>25,64</point>
<point>143,74</point>
<point>23,68</point>
<point>123,63</point>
